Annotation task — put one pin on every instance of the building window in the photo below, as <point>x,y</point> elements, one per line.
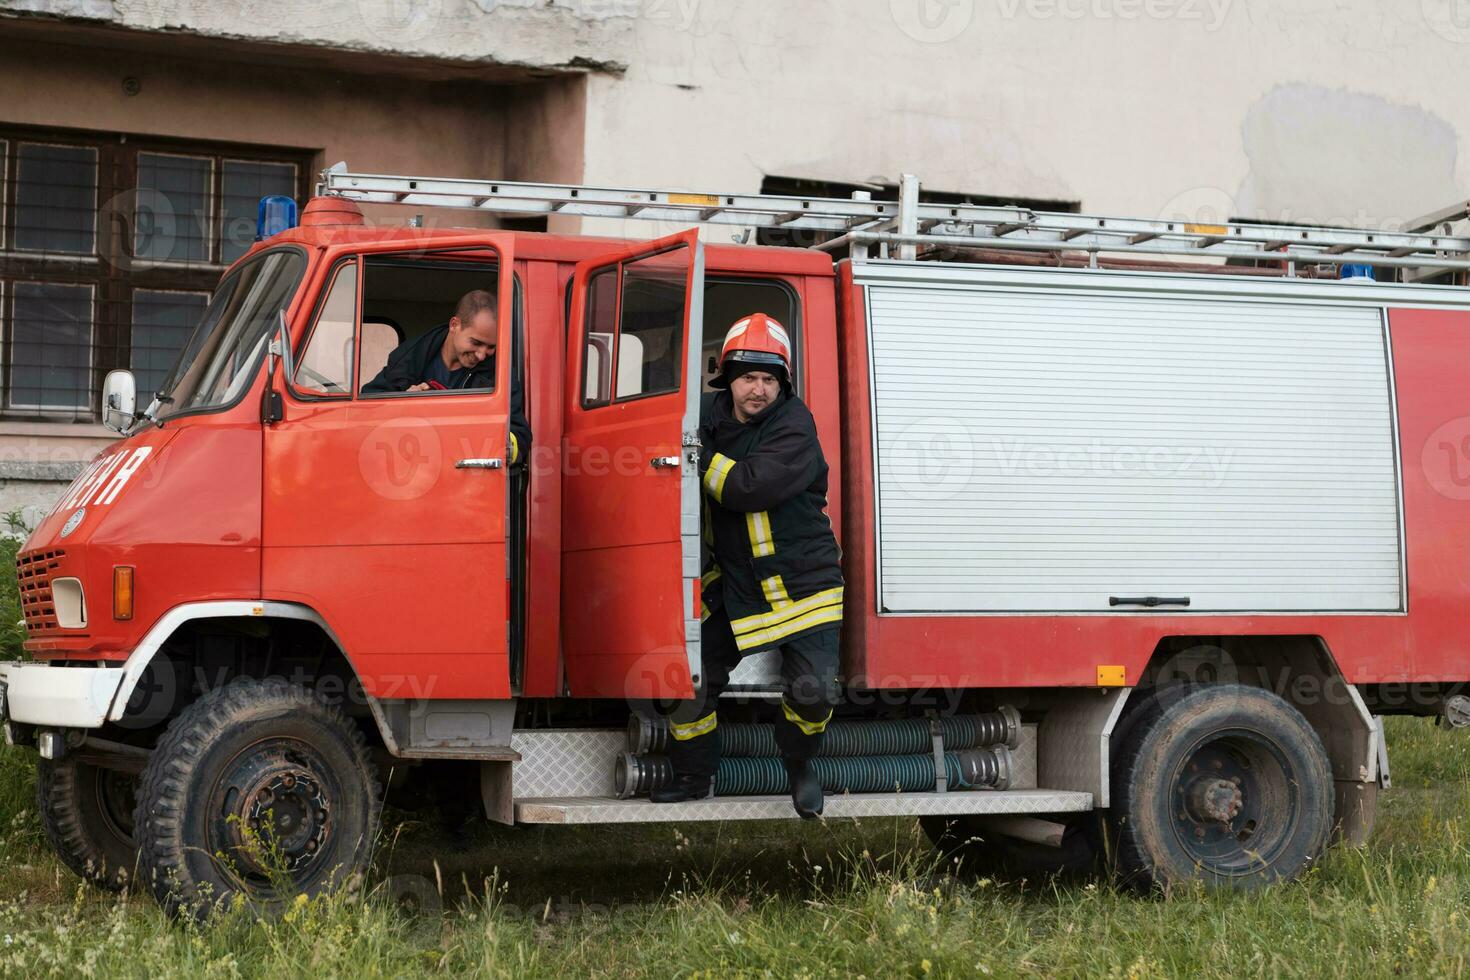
<point>171,212</point>
<point>162,320</point>
<point>56,199</point>
<point>245,183</point>
<point>110,246</point>
<point>50,346</point>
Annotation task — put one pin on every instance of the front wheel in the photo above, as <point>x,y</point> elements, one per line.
<point>1226,784</point>
<point>257,789</point>
<point>87,814</point>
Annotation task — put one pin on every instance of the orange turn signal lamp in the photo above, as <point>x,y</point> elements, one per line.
<point>122,592</point>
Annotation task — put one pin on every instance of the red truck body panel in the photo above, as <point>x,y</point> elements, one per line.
<point>1430,351</point>
<point>191,518</point>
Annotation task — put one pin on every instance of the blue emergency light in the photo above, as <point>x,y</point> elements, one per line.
<point>277,213</point>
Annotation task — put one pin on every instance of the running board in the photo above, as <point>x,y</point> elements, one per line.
<point>608,809</point>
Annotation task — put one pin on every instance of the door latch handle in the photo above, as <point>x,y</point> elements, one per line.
<point>479,464</point>
<point>1147,600</point>
<point>664,462</point>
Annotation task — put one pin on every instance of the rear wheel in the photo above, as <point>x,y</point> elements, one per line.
<point>1226,784</point>
<point>257,789</point>
<point>87,814</point>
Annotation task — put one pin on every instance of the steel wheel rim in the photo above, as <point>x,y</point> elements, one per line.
<point>1232,806</point>
<point>271,814</point>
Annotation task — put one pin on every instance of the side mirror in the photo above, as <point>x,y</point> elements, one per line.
<point>119,401</point>
<point>273,406</point>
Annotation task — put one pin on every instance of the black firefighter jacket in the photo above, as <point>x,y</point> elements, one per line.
<point>776,565</point>
<point>408,364</point>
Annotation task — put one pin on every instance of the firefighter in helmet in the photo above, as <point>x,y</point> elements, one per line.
<point>774,577</point>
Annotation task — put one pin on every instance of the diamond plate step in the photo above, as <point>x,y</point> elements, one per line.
<point>606,809</point>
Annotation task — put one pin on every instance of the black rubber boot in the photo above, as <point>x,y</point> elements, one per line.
<point>683,789</point>
<point>806,790</point>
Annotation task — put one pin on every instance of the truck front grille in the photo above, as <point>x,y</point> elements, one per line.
<point>34,569</point>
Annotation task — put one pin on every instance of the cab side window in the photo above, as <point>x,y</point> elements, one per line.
<point>635,328</point>
<point>726,301</point>
<point>405,298</point>
<point>325,367</point>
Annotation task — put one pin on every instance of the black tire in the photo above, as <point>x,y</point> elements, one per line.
<point>965,840</point>
<point>87,814</point>
<point>1224,784</point>
<point>258,789</point>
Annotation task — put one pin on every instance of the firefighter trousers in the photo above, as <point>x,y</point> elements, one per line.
<point>809,691</point>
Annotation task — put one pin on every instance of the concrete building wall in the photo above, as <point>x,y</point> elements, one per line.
<point>1336,111</point>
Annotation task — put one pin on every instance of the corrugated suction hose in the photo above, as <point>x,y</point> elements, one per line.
<point>906,736</point>
<point>979,768</point>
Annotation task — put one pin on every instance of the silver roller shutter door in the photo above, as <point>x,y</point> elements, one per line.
<point>1043,450</point>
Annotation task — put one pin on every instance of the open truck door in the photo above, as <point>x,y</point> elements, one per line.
<point>386,512</point>
<point>630,484</point>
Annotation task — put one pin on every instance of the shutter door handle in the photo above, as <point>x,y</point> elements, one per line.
<point>1147,600</point>
<point>479,464</point>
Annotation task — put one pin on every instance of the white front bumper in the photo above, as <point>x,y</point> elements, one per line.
<point>58,697</point>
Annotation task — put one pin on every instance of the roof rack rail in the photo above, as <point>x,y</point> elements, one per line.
<point>900,229</point>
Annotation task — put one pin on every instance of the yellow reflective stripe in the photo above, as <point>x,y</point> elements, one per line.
<point>693,729</point>
<point>775,590</point>
<point>758,524</point>
<point>714,478</point>
<point>704,612</point>
<point>709,577</point>
<point>807,727</point>
<point>775,634</point>
<point>777,616</point>
<point>515,449</point>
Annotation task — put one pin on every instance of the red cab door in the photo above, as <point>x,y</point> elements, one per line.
<point>387,513</point>
<point>630,483</point>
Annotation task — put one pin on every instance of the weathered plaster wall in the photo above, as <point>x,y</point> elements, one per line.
<point>547,34</point>
<point>1306,110</point>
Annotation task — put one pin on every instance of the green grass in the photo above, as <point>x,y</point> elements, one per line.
<point>842,899</point>
<point>12,633</point>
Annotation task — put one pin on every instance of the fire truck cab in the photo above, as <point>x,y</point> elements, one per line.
<point>1160,541</point>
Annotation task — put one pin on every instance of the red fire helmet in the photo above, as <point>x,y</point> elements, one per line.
<point>756,342</point>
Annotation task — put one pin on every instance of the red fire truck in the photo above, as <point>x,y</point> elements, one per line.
<point>1130,543</point>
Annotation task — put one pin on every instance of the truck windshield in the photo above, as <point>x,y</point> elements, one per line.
<point>218,363</point>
